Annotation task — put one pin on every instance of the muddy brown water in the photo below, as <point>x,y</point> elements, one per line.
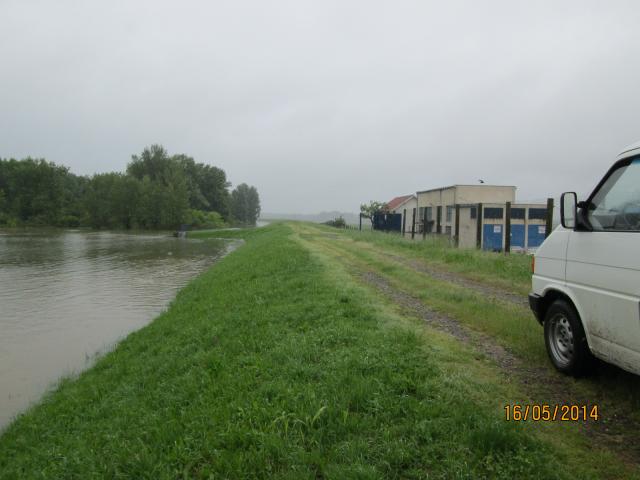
<point>66,297</point>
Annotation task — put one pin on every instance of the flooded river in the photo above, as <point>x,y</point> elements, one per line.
<point>67,296</point>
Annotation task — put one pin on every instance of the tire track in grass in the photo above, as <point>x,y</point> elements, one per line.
<point>541,384</point>
<point>439,273</point>
<point>457,279</point>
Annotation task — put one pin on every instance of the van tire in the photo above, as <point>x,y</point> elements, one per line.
<point>566,341</point>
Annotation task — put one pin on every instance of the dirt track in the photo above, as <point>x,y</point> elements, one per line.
<point>540,383</point>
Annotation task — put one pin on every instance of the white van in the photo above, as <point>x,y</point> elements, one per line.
<point>586,274</point>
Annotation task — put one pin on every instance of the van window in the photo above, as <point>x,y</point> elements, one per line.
<point>616,206</point>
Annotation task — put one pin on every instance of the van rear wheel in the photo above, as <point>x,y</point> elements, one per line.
<point>565,339</point>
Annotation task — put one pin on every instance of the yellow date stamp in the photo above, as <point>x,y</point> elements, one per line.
<point>551,413</point>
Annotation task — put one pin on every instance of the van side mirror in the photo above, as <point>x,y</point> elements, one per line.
<point>568,203</point>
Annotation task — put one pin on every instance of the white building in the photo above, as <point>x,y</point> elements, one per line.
<point>405,206</point>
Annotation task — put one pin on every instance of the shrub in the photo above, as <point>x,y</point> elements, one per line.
<point>338,222</point>
<point>202,219</point>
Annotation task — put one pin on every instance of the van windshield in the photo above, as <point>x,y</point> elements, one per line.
<point>616,206</point>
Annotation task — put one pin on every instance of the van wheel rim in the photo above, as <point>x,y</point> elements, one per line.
<point>561,340</point>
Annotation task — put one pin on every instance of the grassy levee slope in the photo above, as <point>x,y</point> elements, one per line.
<point>273,364</point>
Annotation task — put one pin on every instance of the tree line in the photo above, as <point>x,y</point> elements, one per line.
<point>157,191</point>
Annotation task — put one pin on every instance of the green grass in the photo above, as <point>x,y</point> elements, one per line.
<point>274,364</point>
<point>616,392</point>
<point>511,325</point>
<point>512,272</point>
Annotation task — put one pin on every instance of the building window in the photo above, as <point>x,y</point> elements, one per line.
<point>537,213</point>
<point>474,212</point>
<point>492,212</point>
<point>517,213</point>
<point>420,214</point>
<point>447,230</point>
<point>449,213</point>
<point>429,213</point>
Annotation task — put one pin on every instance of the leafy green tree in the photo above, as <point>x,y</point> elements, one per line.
<point>157,191</point>
<point>192,172</point>
<point>111,200</point>
<point>164,189</point>
<point>245,204</point>
<point>153,162</point>
<point>162,206</point>
<point>214,186</point>
<point>4,217</point>
<point>174,195</point>
<point>125,194</point>
<point>34,190</point>
<point>368,210</point>
<point>208,186</point>
<point>98,200</point>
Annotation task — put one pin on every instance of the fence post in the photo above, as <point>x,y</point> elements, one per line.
<point>404,221</point>
<point>439,219</point>
<point>479,226</point>
<point>424,223</point>
<point>457,229</point>
<point>507,228</point>
<point>413,225</point>
<point>549,226</point>
<point>360,218</point>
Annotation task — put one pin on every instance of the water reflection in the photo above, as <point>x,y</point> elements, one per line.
<point>66,295</point>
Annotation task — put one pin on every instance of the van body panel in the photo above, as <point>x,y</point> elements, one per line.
<point>551,257</point>
<point>603,271</point>
<point>610,352</point>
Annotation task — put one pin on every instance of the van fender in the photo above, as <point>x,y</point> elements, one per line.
<point>561,290</point>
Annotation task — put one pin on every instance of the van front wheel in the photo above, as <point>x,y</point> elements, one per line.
<point>565,339</point>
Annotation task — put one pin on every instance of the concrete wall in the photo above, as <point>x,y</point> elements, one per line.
<point>461,194</point>
<point>485,194</point>
<point>433,199</point>
<point>468,229</point>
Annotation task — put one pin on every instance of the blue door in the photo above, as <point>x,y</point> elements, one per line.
<point>536,235</point>
<point>492,237</point>
<point>517,235</point>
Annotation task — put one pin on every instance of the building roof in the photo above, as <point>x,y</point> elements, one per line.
<point>467,185</point>
<point>396,202</point>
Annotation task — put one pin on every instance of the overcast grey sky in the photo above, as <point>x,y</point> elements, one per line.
<point>323,105</point>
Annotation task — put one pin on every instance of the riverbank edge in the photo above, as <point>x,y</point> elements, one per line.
<point>104,410</point>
